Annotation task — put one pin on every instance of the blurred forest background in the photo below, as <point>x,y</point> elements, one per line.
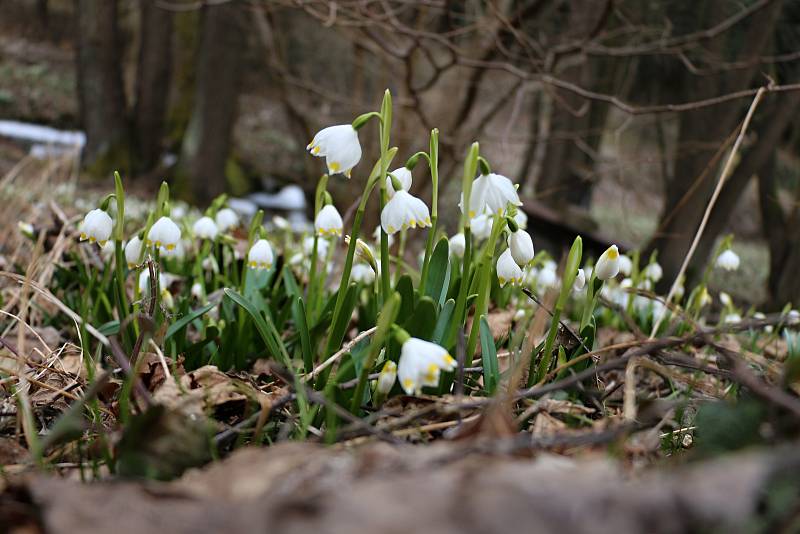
<point>613,115</point>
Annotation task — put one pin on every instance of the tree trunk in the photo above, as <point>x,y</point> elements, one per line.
<point>701,133</point>
<point>101,96</point>
<point>153,77</point>
<point>206,143</point>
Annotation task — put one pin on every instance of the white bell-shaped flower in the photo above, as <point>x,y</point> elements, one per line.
<point>387,378</point>
<point>144,281</point>
<point>96,227</point>
<point>403,175</point>
<point>328,222</point>
<point>226,219</point>
<point>260,255</point>
<point>205,228</point>
<point>421,363</point>
<point>547,278</point>
<point>728,260</point>
<point>322,247</point>
<point>653,272</point>
<point>493,192</point>
<point>625,265</point>
<point>362,273</point>
<point>521,246</point>
<point>732,318</point>
<point>164,234</point>
<point>725,299</point>
<point>339,146</point>
<point>481,226</point>
<point>608,264</point>
<point>196,291</point>
<point>133,251</point>
<point>107,250</point>
<point>508,272</point>
<point>404,211</point>
<point>458,245</point>
<point>521,218</point>
<point>580,280</point>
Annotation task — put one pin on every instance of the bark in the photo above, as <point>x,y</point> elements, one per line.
<point>207,141</point>
<point>153,78</point>
<point>701,133</point>
<point>101,95</point>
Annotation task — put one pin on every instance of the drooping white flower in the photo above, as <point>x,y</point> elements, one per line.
<point>196,291</point>
<point>481,226</point>
<point>421,363</point>
<point>260,255</point>
<point>725,299</point>
<point>653,272</point>
<point>608,264</point>
<point>728,260</point>
<point>362,273</point>
<point>96,227</point>
<point>328,222</point>
<point>793,317</point>
<point>493,192</point>
<point>404,211</point>
<point>521,218</point>
<point>226,219</point>
<point>508,272</point>
<point>322,247</point>
<point>164,234</point>
<point>546,278</point>
<point>387,378</point>
<point>732,318</point>
<point>133,251</point>
<point>25,229</point>
<point>107,251</point>
<point>580,280</point>
<point>205,228</point>
<point>144,281</point>
<point>625,265</point>
<point>403,175</point>
<point>457,245</point>
<point>521,246</point>
<point>339,146</point>
<point>281,223</point>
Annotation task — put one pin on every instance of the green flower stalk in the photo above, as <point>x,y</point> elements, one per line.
<point>385,130</point>
<point>433,163</point>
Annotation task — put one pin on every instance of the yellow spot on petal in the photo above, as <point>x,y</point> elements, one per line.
<point>391,229</point>
<point>92,239</point>
<point>171,246</point>
<point>84,237</point>
<point>471,213</point>
<point>612,254</point>
<point>413,223</point>
<point>408,383</point>
<point>102,243</point>
<point>428,221</point>
<point>315,150</point>
<point>501,280</point>
<point>334,166</point>
<point>252,264</point>
<point>348,172</point>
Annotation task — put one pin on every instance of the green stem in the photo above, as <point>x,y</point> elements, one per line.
<point>482,302</point>
<point>433,163</point>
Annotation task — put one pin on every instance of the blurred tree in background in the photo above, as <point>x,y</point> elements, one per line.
<point>579,100</point>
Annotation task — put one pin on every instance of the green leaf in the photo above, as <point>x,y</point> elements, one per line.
<point>439,272</point>
<point>291,283</point>
<point>422,323</point>
<point>406,290</point>
<point>491,373</point>
<point>264,325</point>
<point>110,328</point>
<point>348,304</point>
<point>443,321</point>
<point>299,318</point>
<point>178,325</point>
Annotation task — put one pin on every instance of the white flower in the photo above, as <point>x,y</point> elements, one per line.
<point>625,265</point>
<point>339,146</point>
<point>725,299</point>
<point>387,377</point>
<point>547,278</point>
<point>403,175</point>
<point>421,362</point>
<point>322,247</point>
<point>164,233</point>
<point>521,246</point>
<point>481,226</point>
<point>608,264</point>
<point>133,251</point>
<point>404,211</point>
<point>281,223</point>
<point>508,272</point>
<point>793,317</point>
<point>728,260</point>
<point>107,251</point>
<point>196,291</point>
<point>328,222</point>
<point>96,226</point>
<point>260,255</point>
<point>580,280</point>
<point>144,281</point>
<point>679,292</point>
<point>732,318</point>
<point>205,228</point>
<point>653,272</point>
<point>521,218</point>
<point>25,228</point>
<point>492,191</point>
<point>457,245</point>
<point>363,273</point>
<point>226,218</point>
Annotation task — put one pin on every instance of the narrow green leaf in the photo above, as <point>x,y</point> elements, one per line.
<point>299,318</point>
<point>443,321</point>
<point>264,325</point>
<point>423,321</point>
<point>178,325</point>
<point>491,373</point>
<point>439,272</point>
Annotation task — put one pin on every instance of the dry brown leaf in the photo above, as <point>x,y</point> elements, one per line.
<point>203,390</point>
